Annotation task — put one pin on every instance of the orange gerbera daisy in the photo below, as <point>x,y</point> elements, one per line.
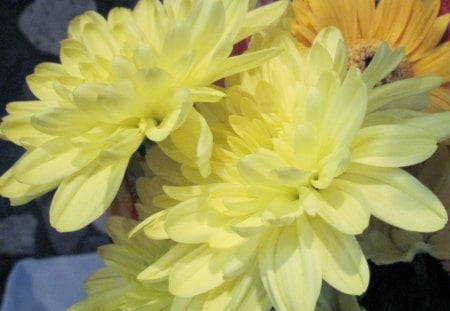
<point>413,25</point>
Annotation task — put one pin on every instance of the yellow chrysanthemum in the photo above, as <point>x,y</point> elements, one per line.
<point>303,155</point>
<point>116,286</point>
<point>134,75</point>
<point>384,244</point>
<point>409,24</point>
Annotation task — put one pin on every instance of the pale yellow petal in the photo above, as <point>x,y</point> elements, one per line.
<point>193,140</point>
<point>343,264</point>
<point>392,145</point>
<point>342,208</point>
<point>397,198</point>
<point>243,259</point>
<point>62,122</point>
<point>206,31</point>
<point>343,115</point>
<point>201,267</point>
<point>43,80</point>
<point>383,62</point>
<point>257,168</point>
<point>257,20</point>
<point>437,124</point>
<point>18,192</point>
<point>400,94</point>
<point>16,126</point>
<point>189,222</point>
<point>289,268</point>
<point>99,42</point>
<point>51,162</point>
<point>82,198</point>
<point>243,293</point>
<point>245,62</point>
<point>160,269</point>
<point>120,146</point>
<point>206,94</point>
<point>159,127</point>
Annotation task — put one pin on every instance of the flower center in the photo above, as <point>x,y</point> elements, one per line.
<point>361,54</point>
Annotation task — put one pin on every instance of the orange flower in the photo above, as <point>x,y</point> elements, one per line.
<point>413,25</point>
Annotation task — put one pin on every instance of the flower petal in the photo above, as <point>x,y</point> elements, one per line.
<point>202,267</point>
<point>257,20</point>
<point>397,198</point>
<point>438,124</point>
<point>289,268</point>
<point>193,140</point>
<point>392,145</point>
<point>62,121</point>
<point>17,127</point>
<point>342,208</point>
<point>189,223</point>
<point>382,63</point>
<point>343,114</point>
<point>257,168</point>
<point>51,162</point>
<point>84,197</point>
<point>244,62</point>
<point>160,269</point>
<point>343,264</point>
<point>243,293</point>
<point>401,94</point>
<point>18,192</point>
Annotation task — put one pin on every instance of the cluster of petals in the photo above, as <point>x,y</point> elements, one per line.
<point>116,287</point>
<point>254,188</point>
<point>121,80</point>
<point>305,151</point>
<point>413,25</point>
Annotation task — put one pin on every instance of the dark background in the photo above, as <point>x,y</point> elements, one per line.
<point>24,230</point>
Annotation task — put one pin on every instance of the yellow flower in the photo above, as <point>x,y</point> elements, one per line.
<point>117,287</point>
<point>131,76</point>
<point>303,155</point>
<point>412,25</point>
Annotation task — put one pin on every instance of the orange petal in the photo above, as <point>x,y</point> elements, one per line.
<point>432,38</point>
<point>435,63</point>
<point>440,100</point>
<point>391,19</point>
<point>422,19</point>
<point>365,12</point>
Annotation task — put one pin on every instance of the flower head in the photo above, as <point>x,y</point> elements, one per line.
<point>132,76</point>
<point>412,25</point>
<point>303,155</point>
<point>117,287</point>
<point>114,287</point>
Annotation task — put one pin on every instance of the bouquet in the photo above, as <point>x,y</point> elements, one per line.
<point>253,156</point>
